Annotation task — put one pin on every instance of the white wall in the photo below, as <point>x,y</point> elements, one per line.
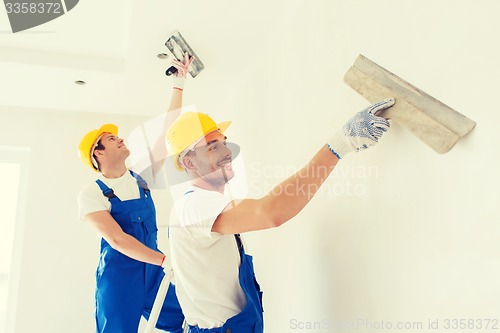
<point>421,241</point>
<point>418,241</point>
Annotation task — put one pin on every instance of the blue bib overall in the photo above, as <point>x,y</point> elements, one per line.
<point>250,319</point>
<point>126,288</point>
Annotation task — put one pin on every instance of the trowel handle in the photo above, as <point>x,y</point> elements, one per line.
<point>171,70</point>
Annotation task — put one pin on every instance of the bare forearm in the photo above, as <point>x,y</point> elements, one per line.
<point>159,151</point>
<point>134,249</point>
<point>110,230</point>
<point>176,102</point>
<point>288,198</point>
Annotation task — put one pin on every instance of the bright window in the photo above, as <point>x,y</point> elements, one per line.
<point>13,180</point>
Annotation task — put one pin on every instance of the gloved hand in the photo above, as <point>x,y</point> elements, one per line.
<point>182,69</point>
<point>167,269</point>
<point>361,131</point>
<point>166,265</point>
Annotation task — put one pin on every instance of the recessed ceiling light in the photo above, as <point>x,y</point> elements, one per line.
<point>80,82</point>
<point>162,55</point>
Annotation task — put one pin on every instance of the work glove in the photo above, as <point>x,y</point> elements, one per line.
<point>166,265</point>
<point>361,131</point>
<point>167,269</point>
<point>182,69</point>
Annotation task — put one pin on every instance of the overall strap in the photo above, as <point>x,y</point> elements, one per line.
<point>141,182</point>
<point>106,191</point>
<point>239,243</point>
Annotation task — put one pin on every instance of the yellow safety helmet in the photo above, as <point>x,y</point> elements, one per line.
<point>187,130</point>
<point>88,143</point>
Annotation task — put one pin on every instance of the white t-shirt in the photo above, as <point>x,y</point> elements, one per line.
<point>91,199</point>
<point>206,263</point>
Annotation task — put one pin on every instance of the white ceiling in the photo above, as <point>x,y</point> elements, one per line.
<point>113,46</point>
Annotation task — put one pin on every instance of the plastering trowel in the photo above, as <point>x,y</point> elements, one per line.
<point>178,46</point>
<point>433,122</point>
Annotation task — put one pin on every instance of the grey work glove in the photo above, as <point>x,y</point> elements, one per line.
<point>363,130</point>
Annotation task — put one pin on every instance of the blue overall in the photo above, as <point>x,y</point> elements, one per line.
<point>126,288</point>
<point>250,319</point>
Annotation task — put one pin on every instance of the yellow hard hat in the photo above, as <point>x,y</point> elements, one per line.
<point>87,145</point>
<point>188,130</point>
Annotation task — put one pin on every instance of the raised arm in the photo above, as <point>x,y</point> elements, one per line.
<point>288,198</point>
<point>159,151</point>
<point>281,204</point>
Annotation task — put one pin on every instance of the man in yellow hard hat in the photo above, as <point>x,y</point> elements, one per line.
<point>120,208</point>
<point>215,280</point>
